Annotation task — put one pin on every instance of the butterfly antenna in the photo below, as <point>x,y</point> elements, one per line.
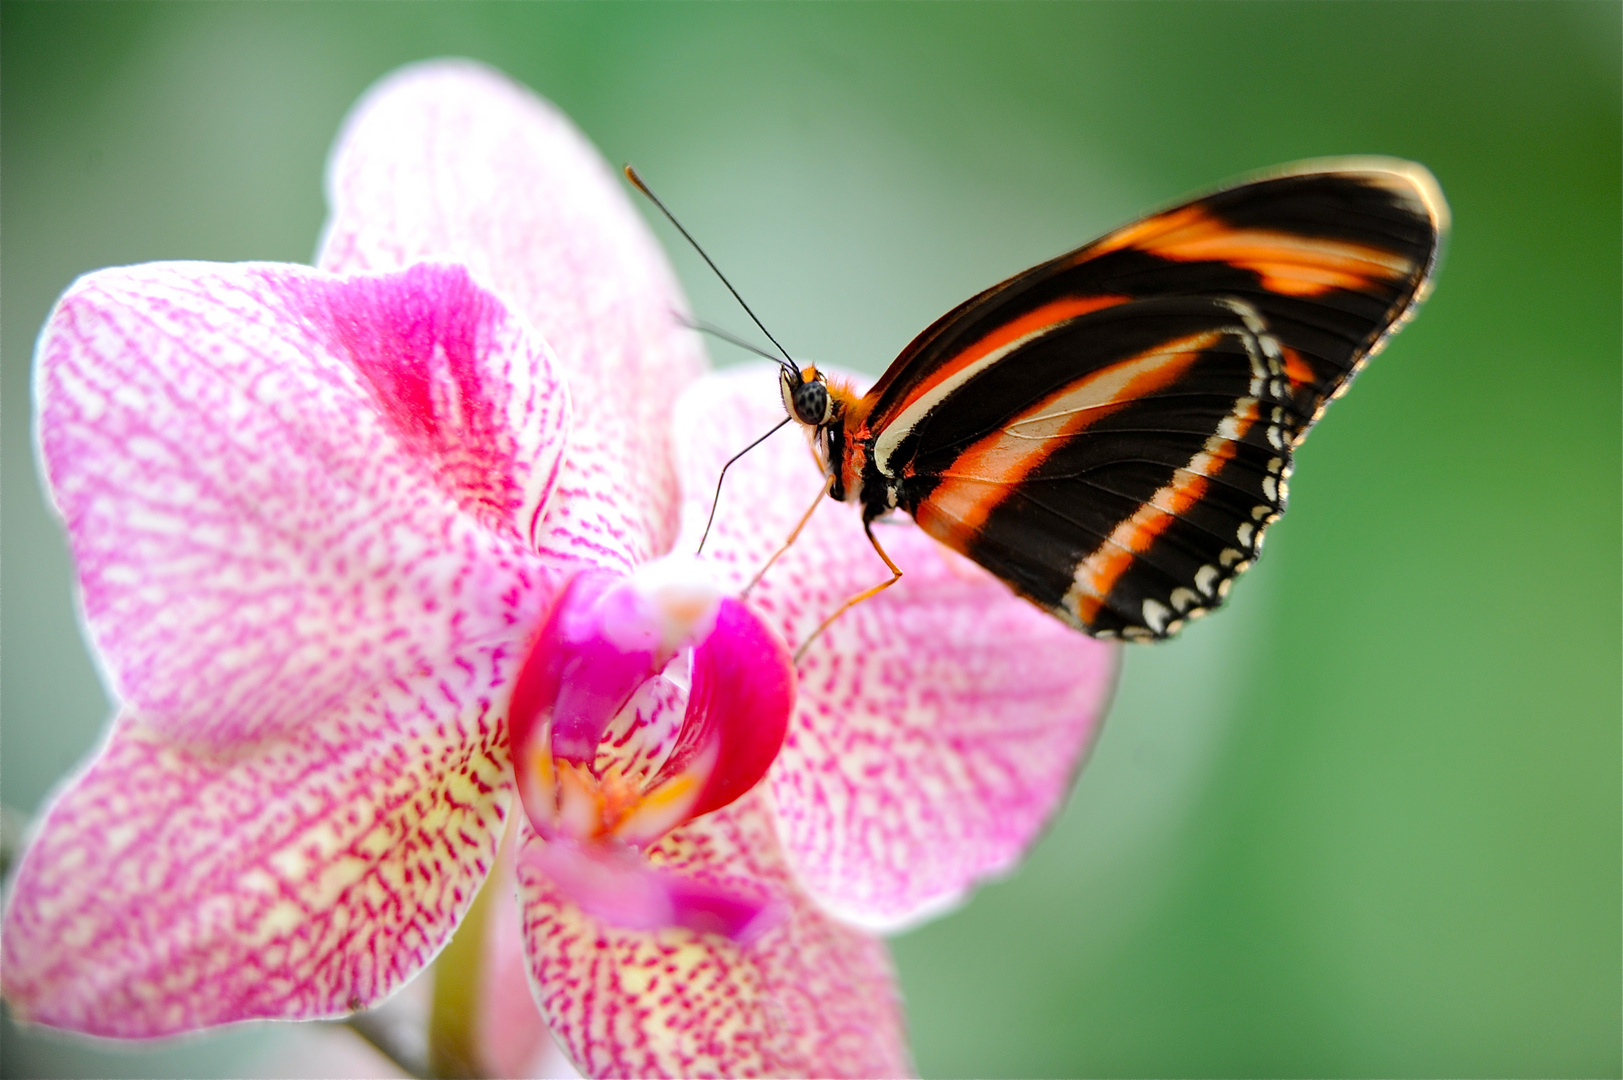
<point>716,500</point>
<point>631,174</point>
<point>730,338</point>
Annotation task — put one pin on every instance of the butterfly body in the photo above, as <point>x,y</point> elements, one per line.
<point>1111,432</point>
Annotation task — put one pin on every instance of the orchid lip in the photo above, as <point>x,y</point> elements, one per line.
<point>644,702</point>
<point>620,887</point>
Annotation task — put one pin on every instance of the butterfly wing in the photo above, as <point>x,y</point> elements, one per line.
<point>1335,255</point>
<point>1110,432</point>
<point>1128,472</point>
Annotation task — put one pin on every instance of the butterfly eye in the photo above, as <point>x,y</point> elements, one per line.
<point>811,402</point>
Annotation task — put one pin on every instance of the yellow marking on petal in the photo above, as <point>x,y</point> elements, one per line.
<point>662,809</point>
<point>636,979</point>
<point>541,766</point>
<point>540,781</point>
<point>373,844</point>
<point>617,794</point>
<point>290,863</point>
<point>283,918</point>
<point>580,806</point>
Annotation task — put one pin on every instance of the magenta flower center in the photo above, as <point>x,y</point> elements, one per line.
<point>645,701</point>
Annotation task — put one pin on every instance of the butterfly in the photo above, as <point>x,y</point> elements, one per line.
<point>1111,432</point>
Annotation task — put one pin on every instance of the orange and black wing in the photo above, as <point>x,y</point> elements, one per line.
<point>1111,432</point>
<point>1122,472</point>
<point>1335,255</point>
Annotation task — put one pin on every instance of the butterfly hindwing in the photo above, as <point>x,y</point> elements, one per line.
<point>1118,470</point>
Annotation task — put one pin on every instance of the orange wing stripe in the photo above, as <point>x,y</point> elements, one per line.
<point>1286,262</point>
<point>1099,572</point>
<point>1298,370</point>
<point>1038,319</point>
<point>984,474</point>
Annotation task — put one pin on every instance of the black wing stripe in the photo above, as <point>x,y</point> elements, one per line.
<point>1392,208</point>
<point>1147,485</point>
<point>1121,467</point>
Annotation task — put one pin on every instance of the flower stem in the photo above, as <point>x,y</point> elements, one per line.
<point>453,1045</point>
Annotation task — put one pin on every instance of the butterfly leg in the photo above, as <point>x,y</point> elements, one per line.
<point>716,500</point>
<point>793,536</point>
<point>895,576</point>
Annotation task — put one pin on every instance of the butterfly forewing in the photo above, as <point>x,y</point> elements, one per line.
<point>1119,470</point>
<point>1332,255</point>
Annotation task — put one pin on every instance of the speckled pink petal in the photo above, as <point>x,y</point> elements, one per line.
<point>738,712</point>
<point>508,1026</point>
<point>284,489</point>
<point>174,886</point>
<point>939,724</point>
<point>449,158</point>
<point>810,997</point>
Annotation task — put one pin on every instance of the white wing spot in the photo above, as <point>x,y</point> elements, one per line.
<point>1245,532</point>
<point>1155,615</point>
<point>1206,578</point>
<point>1183,598</point>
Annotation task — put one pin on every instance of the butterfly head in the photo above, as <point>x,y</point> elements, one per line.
<point>806,396</point>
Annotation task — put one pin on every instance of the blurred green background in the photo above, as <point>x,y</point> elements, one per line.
<point>1367,823</point>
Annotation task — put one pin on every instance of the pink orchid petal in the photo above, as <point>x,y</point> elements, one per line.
<point>939,723</point>
<point>738,711</point>
<point>576,677</point>
<point>617,885</point>
<point>284,489</point>
<point>508,1026</point>
<point>449,158</point>
<point>175,887</point>
<point>809,997</point>
<point>611,883</point>
<point>606,639</point>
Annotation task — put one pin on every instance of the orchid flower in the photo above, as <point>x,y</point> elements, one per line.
<point>367,548</point>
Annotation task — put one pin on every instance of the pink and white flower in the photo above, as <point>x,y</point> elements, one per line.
<point>344,533</point>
